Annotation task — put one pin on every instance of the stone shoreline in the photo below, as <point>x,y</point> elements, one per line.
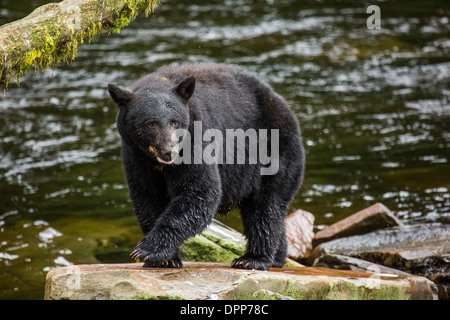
<point>370,255</point>
<point>217,281</point>
<point>373,239</point>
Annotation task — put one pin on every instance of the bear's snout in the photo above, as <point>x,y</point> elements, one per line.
<point>166,153</point>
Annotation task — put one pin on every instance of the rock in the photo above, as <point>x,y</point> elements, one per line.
<point>407,242</point>
<point>442,280</point>
<point>417,249</point>
<point>340,262</point>
<point>367,220</point>
<point>201,280</point>
<point>299,233</point>
<point>269,295</point>
<point>218,243</point>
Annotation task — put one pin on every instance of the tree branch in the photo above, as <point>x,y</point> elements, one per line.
<point>53,32</point>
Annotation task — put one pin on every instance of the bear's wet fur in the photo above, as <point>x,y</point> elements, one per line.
<point>173,202</point>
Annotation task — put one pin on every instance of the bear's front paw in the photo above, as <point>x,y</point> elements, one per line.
<point>154,260</point>
<point>140,252</point>
<point>169,263</point>
<point>251,263</point>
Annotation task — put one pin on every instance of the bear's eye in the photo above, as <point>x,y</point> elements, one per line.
<point>152,124</point>
<point>175,123</point>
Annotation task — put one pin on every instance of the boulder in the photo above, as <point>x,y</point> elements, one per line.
<point>299,233</point>
<point>406,243</point>
<point>340,262</point>
<point>218,243</point>
<point>203,280</point>
<point>367,220</point>
<point>417,249</point>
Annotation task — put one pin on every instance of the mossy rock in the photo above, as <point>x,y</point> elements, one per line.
<point>218,243</point>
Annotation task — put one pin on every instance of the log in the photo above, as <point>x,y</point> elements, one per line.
<point>52,33</point>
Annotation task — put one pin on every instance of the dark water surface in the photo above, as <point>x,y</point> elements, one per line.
<point>373,105</point>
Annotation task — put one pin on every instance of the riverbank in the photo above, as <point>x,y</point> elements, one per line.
<point>374,240</point>
<point>370,255</point>
<point>216,281</point>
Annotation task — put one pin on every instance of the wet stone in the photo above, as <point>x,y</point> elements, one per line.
<point>367,220</point>
<point>299,233</point>
<point>417,249</point>
<point>206,280</point>
<point>341,262</point>
<point>408,242</point>
<point>217,243</point>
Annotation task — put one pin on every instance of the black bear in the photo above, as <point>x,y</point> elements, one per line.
<point>174,200</point>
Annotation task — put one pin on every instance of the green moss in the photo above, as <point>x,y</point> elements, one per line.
<point>326,289</point>
<point>48,49</point>
<point>131,10</point>
<point>290,264</point>
<point>147,296</point>
<point>269,295</point>
<point>41,56</point>
<point>235,249</point>
<point>338,289</point>
<point>209,248</point>
<point>200,248</point>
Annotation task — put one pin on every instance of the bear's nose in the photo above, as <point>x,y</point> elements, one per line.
<point>166,153</point>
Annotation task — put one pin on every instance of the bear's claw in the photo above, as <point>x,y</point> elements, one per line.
<point>154,260</point>
<point>135,255</point>
<point>170,263</point>
<point>251,263</point>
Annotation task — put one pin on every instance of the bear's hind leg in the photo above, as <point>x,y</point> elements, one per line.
<point>264,230</point>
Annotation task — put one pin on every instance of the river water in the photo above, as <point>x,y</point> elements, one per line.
<point>373,105</point>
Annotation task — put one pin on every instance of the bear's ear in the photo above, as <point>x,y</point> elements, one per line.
<point>121,97</point>
<point>186,88</point>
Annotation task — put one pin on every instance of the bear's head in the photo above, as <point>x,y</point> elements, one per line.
<point>148,117</point>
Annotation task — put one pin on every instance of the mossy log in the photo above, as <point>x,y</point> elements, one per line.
<point>53,32</point>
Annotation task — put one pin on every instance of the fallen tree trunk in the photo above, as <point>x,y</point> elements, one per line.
<point>53,32</point>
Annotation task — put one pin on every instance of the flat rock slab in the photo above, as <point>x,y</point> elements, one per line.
<point>417,249</point>
<point>367,220</point>
<point>408,243</point>
<point>337,261</point>
<point>206,280</point>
